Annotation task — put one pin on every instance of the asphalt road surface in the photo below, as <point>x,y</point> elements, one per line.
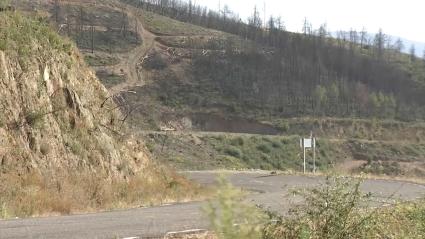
<point>273,191</point>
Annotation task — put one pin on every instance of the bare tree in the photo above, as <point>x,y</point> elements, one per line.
<point>379,43</point>
<point>56,11</point>
<point>92,28</point>
<point>399,45</point>
<point>363,38</point>
<point>124,22</point>
<point>353,39</point>
<point>423,55</point>
<point>307,27</point>
<point>80,24</point>
<point>412,52</point>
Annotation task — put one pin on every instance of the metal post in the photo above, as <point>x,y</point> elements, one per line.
<point>304,158</point>
<point>92,38</point>
<point>314,155</point>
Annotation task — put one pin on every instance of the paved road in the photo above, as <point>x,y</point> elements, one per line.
<point>271,191</point>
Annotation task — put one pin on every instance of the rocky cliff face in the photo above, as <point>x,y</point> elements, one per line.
<point>54,114</point>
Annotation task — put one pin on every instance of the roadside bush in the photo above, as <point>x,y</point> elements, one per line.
<point>338,210</point>
<point>333,211</point>
<point>403,220</point>
<point>382,168</point>
<point>230,217</point>
<point>283,126</point>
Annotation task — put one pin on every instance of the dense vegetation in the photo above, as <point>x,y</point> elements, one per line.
<point>311,73</point>
<point>337,209</point>
<point>221,151</point>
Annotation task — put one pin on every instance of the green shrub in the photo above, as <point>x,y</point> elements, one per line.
<point>230,162</point>
<point>45,148</point>
<point>34,118</point>
<point>265,148</point>
<point>230,217</point>
<point>76,148</point>
<point>218,137</point>
<point>285,141</point>
<point>276,144</point>
<point>2,121</point>
<point>150,146</point>
<point>155,63</point>
<point>233,151</point>
<point>333,211</point>
<point>416,214</point>
<point>3,44</point>
<point>100,61</point>
<point>238,141</point>
<point>379,167</point>
<point>3,210</point>
<point>283,126</point>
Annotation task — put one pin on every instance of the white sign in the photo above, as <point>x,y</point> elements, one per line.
<point>307,143</point>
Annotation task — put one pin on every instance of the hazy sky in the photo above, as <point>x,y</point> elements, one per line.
<point>399,18</point>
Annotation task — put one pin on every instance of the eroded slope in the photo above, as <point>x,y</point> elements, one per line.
<point>63,146</point>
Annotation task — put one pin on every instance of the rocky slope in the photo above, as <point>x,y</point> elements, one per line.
<point>64,147</point>
<point>55,114</point>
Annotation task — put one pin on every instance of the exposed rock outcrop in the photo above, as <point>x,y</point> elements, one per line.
<point>52,116</point>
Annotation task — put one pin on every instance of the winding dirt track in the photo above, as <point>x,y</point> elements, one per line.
<point>272,191</point>
<point>134,79</point>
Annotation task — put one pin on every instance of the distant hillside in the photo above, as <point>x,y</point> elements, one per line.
<point>204,61</point>
<point>273,72</point>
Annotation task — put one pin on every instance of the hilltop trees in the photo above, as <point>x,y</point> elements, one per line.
<point>300,74</point>
<point>423,55</point>
<point>412,52</point>
<point>379,44</point>
<point>255,23</point>
<point>399,45</point>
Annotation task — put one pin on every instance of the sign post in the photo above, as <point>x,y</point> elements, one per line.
<point>308,143</point>
<point>304,158</point>
<point>314,155</point>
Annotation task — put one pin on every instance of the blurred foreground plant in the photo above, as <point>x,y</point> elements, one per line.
<point>230,217</point>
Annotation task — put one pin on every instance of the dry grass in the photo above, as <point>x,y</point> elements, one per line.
<point>162,25</point>
<point>197,235</point>
<point>45,195</point>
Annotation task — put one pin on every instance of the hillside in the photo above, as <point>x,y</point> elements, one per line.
<point>63,147</point>
<point>254,73</point>
<point>283,74</point>
<point>168,70</point>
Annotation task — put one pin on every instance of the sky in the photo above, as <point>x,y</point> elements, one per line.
<point>395,17</point>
